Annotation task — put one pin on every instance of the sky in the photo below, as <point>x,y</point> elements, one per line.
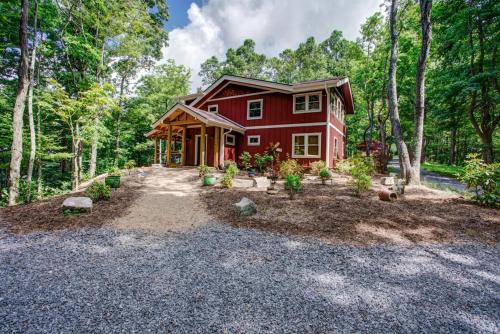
<point>204,28</point>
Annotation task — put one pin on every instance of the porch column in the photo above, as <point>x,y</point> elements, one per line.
<point>202,144</point>
<point>155,159</point>
<point>216,147</point>
<point>169,146</point>
<point>183,149</point>
<point>221,148</point>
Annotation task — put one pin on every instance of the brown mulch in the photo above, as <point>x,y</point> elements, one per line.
<point>46,215</point>
<point>333,214</point>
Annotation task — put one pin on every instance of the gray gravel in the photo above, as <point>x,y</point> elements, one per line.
<point>221,279</point>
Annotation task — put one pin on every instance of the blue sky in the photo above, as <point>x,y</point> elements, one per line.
<point>199,29</point>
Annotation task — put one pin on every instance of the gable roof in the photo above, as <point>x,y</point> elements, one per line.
<point>205,117</point>
<point>286,88</point>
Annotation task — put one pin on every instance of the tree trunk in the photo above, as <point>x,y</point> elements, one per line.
<point>118,122</point>
<point>453,146</point>
<point>404,157</point>
<point>418,136</point>
<point>75,163</point>
<point>93,156</point>
<point>31,122</point>
<point>17,117</point>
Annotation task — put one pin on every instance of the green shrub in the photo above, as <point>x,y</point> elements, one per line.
<point>227,163</point>
<point>245,158</point>
<point>261,161</point>
<point>324,174</point>
<point>356,164</point>
<point>317,166</point>
<point>130,164</point>
<point>203,170</point>
<point>292,184</point>
<point>360,183</point>
<point>98,191</point>
<point>483,179</point>
<point>114,171</point>
<point>343,166</point>
<point>360,169</point>
<point>291,167</point>
<point>232,170</point>
<point>226,181</point>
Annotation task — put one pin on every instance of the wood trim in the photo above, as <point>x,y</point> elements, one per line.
<point>216,147</point>
<point>237,96</point>
<point>290,125</point>
<point>203,144</point>
<point>183,154</point>
<point>336,129</point>
<point>169,147</point>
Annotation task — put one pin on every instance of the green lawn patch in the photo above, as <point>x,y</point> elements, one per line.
<point>445,170</point>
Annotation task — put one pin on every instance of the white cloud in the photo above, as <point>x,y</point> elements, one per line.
<point>274,25</point>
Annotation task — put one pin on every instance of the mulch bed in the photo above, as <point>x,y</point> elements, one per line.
<point>333,214</point>
<point>46,215</point>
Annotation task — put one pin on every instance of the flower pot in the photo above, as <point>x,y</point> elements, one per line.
<point>113,181</point>
<point>251,173</point>
<point>209,180</point>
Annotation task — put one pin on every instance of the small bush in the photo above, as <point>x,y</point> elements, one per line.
<point>130,164</point>
<point>227,163</point>
<point>317,166</point>
<point>360,183</point>
<point>245,158</point>
<point>98,191</point>
<point>227,181</point>
<point>293,184</point>
<point>343,166</point>
<point>483,179</point>
<point>232,170</point>
<point>261,161</point>
<point>360,169</point>
<point>114,171</point>
<point>324,174</point>
<point>356,164</point>
<point>291,167</point>
<point>203,170</point>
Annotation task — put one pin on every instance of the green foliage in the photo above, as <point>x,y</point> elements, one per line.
<point>98,191</point>
<point>115,171</point>
<point>293,184</point>
<point>291,167</point>
<point>130,164</point>
<point>203,170</point>
<point>442,169</point>
<point>325,174</point>
<point>261,161</point>
<point>227,181</point>
<point>359,183</point>
<point>360,170</point>
<point>483,179</point>
<point>232,170</point>
<point>317,166</point>
<point>245,158</point>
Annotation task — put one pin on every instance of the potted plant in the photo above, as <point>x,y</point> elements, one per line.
<point>114,177</point>
<point>324,174</point>
<point>205,173</point>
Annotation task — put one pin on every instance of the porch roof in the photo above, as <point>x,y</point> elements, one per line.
<point>200,117</point>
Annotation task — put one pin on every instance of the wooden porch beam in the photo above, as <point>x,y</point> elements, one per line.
<point>202,144</point>
<point>183,153</point>
<point>216,147</point>
<point>169,146</point>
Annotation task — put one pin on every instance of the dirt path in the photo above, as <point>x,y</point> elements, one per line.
<point>169,202</point>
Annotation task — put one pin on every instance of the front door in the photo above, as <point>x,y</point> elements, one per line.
<point>197,150</point>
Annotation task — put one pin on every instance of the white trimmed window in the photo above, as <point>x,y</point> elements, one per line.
<point>306,145</point>
<point>253,140</point>
<point>335,148</point>
<point>214,108</point>
<point>230,139</point>
<point>254,109</point>
<point>310,102</point>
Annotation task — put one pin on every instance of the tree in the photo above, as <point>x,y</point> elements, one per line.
<point>17,119</point>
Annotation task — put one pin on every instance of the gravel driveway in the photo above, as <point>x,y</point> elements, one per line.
<point>220,279</point>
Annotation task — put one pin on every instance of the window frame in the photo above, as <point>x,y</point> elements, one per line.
<point>307,95</point>
<point>335,148</point>
<point>233,139</point>
<point>253,144</point>
<point>216,108</point>
<point>306,145</point>
<point>261,109</point>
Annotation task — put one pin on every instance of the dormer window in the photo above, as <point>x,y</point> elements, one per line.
<point>213,108</point>
<point>310,102</point>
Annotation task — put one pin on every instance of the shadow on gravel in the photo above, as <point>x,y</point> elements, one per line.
<point>220,279</point>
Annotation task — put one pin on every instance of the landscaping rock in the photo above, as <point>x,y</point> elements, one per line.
<point>272,191</point>
<point>77,205</point>
<point>387,181</point>
<point>261,182</point>
<point>245,207</point>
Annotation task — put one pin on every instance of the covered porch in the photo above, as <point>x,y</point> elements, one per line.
<point>187,136</point>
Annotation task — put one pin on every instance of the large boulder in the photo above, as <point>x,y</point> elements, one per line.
<point>245,207</point>
<point>73,205</point>
<point>261,182</point>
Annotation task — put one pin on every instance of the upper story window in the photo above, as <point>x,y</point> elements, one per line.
<point>306,145</point>
<point>310,102</point>
<point>254,109</point>
<point>213,108</point>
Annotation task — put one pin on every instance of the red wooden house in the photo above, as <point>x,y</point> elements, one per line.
<point>237,114</point>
